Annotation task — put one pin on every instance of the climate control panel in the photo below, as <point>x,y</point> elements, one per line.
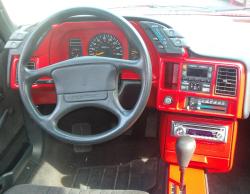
<point>206,104</point>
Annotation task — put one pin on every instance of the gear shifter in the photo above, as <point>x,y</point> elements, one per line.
<point>185,147</point>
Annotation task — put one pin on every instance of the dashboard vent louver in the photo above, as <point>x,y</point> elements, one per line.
<point>226,81</point>
<point>31,65</point>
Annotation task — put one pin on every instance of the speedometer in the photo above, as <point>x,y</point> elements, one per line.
<point>105,45</point>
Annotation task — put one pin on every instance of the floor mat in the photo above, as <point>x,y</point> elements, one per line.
<point>61,166</point>
<point>229,183</point>
<point>135,175</point>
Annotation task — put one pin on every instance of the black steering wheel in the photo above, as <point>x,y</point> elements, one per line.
<point>88,81</point>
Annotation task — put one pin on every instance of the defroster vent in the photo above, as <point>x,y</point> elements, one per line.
<point>226,81</point>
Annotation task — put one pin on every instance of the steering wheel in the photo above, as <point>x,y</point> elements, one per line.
<point>87,81</point>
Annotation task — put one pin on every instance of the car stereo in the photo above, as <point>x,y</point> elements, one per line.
<point>216,133</point>
<point>196,77</point>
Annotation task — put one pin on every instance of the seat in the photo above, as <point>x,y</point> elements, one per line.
<point>38,189</point>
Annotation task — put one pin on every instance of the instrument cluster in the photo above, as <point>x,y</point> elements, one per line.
<point>104,45</point>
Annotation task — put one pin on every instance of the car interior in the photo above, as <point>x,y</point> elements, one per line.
<point>97,102</point>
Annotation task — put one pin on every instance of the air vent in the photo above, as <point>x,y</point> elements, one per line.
<point>75,48</point>
<point>226,81</point>
<point>31,65</point>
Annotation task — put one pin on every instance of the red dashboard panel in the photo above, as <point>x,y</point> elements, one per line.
<point>235,103</point>
<point>54,48</point>
<point>210,155</point>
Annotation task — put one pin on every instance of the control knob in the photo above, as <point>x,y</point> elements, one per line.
<point>180,131</point>
<point>168,100</point>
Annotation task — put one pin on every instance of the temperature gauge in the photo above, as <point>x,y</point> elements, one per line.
<point>134,53</point>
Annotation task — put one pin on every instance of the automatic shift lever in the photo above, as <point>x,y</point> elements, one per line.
<point>185,147</point>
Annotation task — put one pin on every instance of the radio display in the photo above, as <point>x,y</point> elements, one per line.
<point>195,72</point>
<point>200,133</point>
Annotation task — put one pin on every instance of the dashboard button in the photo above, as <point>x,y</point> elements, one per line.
<point>184,87</point>
<point>164,43</point>
<point>160,46</point>
<point>171,32</point>
<point>205,89</point>
<point>12,44</point>
<point>177,42</point>
<point>155,38</point>
<point>19,35</point>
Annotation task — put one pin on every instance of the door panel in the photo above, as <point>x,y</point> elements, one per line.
<point>12,136</point>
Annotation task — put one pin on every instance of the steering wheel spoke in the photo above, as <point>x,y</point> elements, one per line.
<point>32,75</point>
<point>122,64</point>
<point>61,109</point>
<point>113,105</point>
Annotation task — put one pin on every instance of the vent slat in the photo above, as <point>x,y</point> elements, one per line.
<point>226,81</point>
<point>30,65</point>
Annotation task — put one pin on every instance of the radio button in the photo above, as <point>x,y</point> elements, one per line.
<point>215,102</point>
<point>206,85</point>
<point>205,89</point>
<point>185,82</point>
<point>184,87</point>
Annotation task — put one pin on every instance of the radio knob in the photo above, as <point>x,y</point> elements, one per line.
<point>180,131</point>
<point>168,100</point>
<point>219,135</point>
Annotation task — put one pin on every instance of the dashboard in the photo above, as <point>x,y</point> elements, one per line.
<point>196,95</point>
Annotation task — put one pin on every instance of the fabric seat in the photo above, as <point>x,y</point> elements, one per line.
<point>38,189</point>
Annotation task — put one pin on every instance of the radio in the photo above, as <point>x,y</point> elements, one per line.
<point>205,132</point>
<point>196,77</point>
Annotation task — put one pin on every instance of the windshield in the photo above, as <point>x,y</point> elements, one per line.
<point>31,11</point>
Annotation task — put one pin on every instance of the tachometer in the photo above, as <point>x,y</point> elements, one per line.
<point>105,45</point>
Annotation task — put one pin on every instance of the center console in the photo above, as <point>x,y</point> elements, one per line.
<point>215,138</point>
<point>201,98</point>
<point>201,87</point>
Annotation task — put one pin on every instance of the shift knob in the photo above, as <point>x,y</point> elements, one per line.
<point>185,147</point>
